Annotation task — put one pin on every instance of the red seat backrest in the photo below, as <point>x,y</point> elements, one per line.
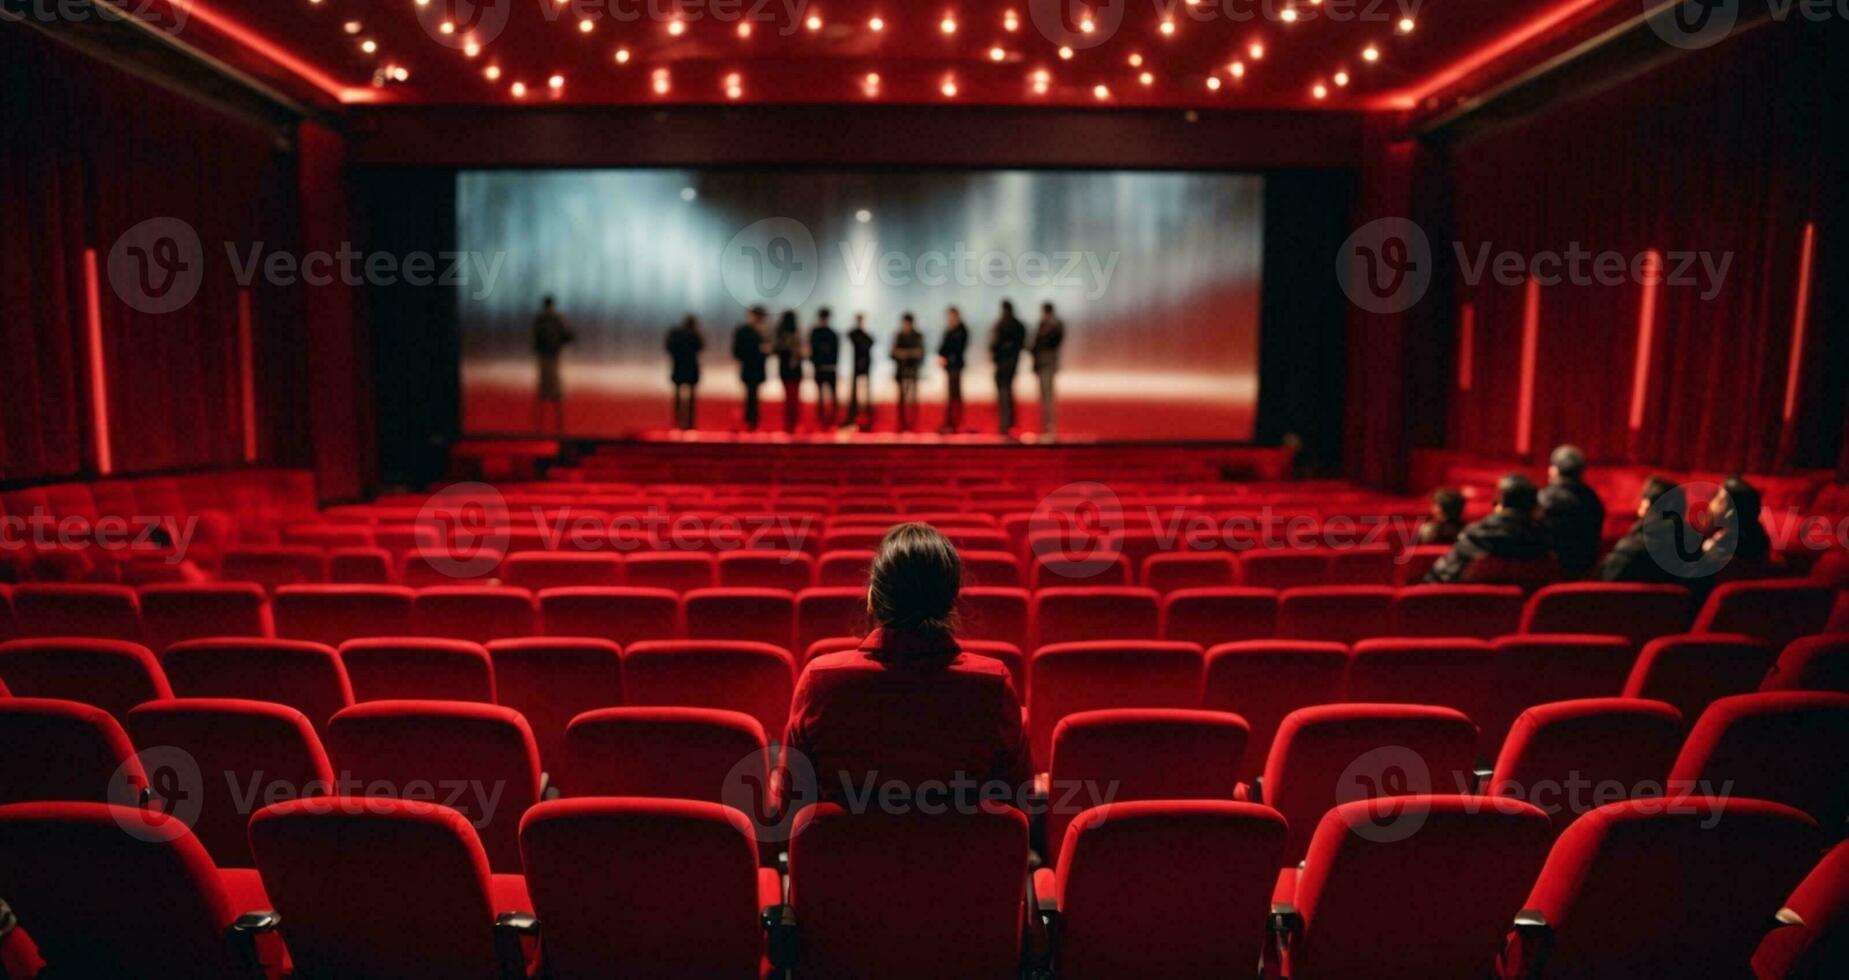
<point>560,569</point>
<point>109,612</point>
<point>685,753</point>
<point>1076,613</point>
<point>1787,746</point>
<point>1546,667</point>
<point>1262,681</point>
<point>1481,611</point>
<point>620,615</point>
<point>1453,672</point>
<point>63,751</point>
<point>333,614</point>
<point>679,571</point>
<point>308,677</point>
<point>1170,571</point>
<point>1220,615</point>
<point>476,613</point>
<point>1811,663</point>
<point>993,613</point>
<point>551,680</point>
<point>410,668</point>
<point>1335,613</point>
<point>172,613</point>
<point>756,679</point>
<point>1776,611</point>
<point>1071,677</point>
<point>1570,756</point>
<point>1638,612</point>
<point>113,675</point>
<point>760,615</point>
<point>1692,670</point>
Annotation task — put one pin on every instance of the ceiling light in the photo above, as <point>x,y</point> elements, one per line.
<point>1168,27</point>
<point>493,73</point>
<point>352,27</point>
<point>586,26</point>
<point>1065,53</point>
<point>814,22</point>
<point>470,49</point>
<point>1288,15</point>
<point>876,25</point>
<point>1100,92</point>
<point>744,29</point>
<point>1010,22</point>
<point>950,88</point>
<point>997,54</point>
<point>370,47</point>
<point>622,56</point>
<point>948,25</point>
<point>676,28</point>
<point>1370,53</point>
<point>1136,61</point>
<point>1213,83</point>
<point>1405,25</point>
<point>1319,90</point>
<point>519,90</point>
<point>556,82</point>
<point>863,216</point>
<point>1237,69</point>
<point>1146,78</point>
<point>1341,78</point>
<point>1256,50</point>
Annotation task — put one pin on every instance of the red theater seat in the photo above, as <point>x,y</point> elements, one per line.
<point>622,616</point>
<point>1420,886</point>
<point>478,759</point>
<point>869,892</point>
<point>682,753</point>
<point>1813,663</point>
<point>62,751</point>
<point>234,756</point>
<point>1789,747</point>
<point>1569,756</point>
<point>1693,670</point>
<point>1264,680</point>
<point>1283,568</point>
<point>412,668</point>
<point>361,566</point>
<point>334,614</point>
<point>995,568</point>
<point>1078,570</point>
<point>759,615</point>
<point>381,887</point>
<point>102,902</point>
<point>1360,566</point>
<point>109,674</point>
<point>829,612</point>
<point>172,613</point>
<point>1140,754</point>
<point>994,614</point>
<point>326,536</point>
<point>1074,614</point>
<point>684,873</point>
<point>1640,613</point>
<point>756,679</point>
<point>551,680</point>
<point>786,570</point>
<point>1333,754</point>
<point>1213,616</point>
<point>1129,904</point>
<point>1481,611</point>
<point>1170,571</point>
<point>843,568</point>
<point>1527,670</point>
<point>274,567</point>
<point>427,567</point>
<point>1449,672</point>
<point>308,677</point>
<point>9,627</point>
<point>677,571</point>
<point>1414,562</point>
<point>1335,613</point>
<point>106,612</point>
<point>1636,889</point>
<point>1010,656</point>
<point>1067,678</point>
<point>537,570</point>
<point>1812,938</point>
<point>476,613</point>
<point>1776,611</point>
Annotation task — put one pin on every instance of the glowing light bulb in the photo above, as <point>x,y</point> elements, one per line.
<point>1341,78</point>
<point>948,25</point>
<point>876,25</point>
<point>1100,92</point>
<point>1146,78</point>
<point>622,56</point>
<point>1370,53</point>
<point>1320,90</point>
<point>1065,53</point>
<point>1213,83</point>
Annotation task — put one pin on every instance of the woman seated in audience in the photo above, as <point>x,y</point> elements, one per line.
<point>1507,547</point>
<point>1447,517</point>
<point>1735,534</point>
<point>908,718</point>
<point>1662,545</point>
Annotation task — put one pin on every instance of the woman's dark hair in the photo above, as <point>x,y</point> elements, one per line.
<point>787,322</point>
<point>1744,497</point>
<point>1450,502</point>
<point>1665,496</point>
<point>914,580</point>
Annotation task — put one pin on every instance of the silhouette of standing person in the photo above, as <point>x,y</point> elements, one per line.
<point>860,385</point>
<point>788,346</point>
<point>684,347</point>
<point>1048,339</point>
<point>1005,344</point>
<point>907,357</point>
<point>950,352</point>
<point>550,337</point>
<point>825,355</point>
<point>750,350</point>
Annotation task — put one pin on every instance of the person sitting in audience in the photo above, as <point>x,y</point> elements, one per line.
<point>908,709</point>
<point>1734,529</point>
<point>1447,517</point>
<point>1662,531</point>
<point>1572,512</point>
<point>1510,533</point>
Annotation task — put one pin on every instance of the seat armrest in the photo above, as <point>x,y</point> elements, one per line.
<point>1786,917</point>
<point>243,934</point>
<point>1483,775</point>
<point>782,938</point>
<point>508,928</point>
<point>1285,924</point>
<point>547,791</point>
<point>1043,928</point>
<point>1525,955</point>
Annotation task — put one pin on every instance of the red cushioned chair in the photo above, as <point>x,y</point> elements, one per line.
<point>1010,656</point>
<point>1812,663</point>
<point>172,613</point>
<point>62,751</point>
<point>855,538</point>
<point>1639,613</point>
<point>104,612</point>
<point>1124,900</point>
<point>843,568</point>
<point>1077,613</point>
<point>1222,615</point>
<point>1067,678</point>
<point>1449,672</point>
<point>361,566</point>
<point>1622,744</point>
<point>1636,889</point>
<point>1333,754</point>
<point>1127,754</point>
<point>677,571</point>
<point>1481,611</point>
<point>273,568</point>
<point>551,680</point>
<point>1360,566</point>
<point>308,677</point>
<point>334,614</point>
<point>109,891</point>
<point>1335,613</point>
<point>829,612</point>
<point>1786,746</point>
<point>1079,570</point>
<point>989,613</point>
<point>685,874</point>
<point>1777,611</point>
<point>996,568</point>
<point>475,613</point>
<point>113,675</point>
<point>1542,668</point>
<point>828,645</point>
<point>9,628</point>
<point>326,536</point>
<point>537,570</point>
<point>1262,681</point>
<point>380,887</point>
<point>478,759</point>
<point>684,753</point>
<point>414,668</point>
<point>1414,562</point>
<point>1170,571</point>
<point>1693,670</point>
<point>758,615</point>
<point>228,757</point>
<point>1812,938</point>
<point>1283,568</point>
<point>620,615</point>
<point>427,567</point>
<point>786,570</point>
<point>756,679</point>
<point>869,893</point>
<point>1417,886</point>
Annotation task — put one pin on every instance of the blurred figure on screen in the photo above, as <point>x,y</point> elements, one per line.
<point>1047,341</point>
<point>788,346</point>
<point>1446,520</point>
<point>684,347</point>
<point>950,353</point>
<point>1005,343</point>
<point>907,358</point>
<point>860,385</point>
<point>750,349</point>
<point>1510,532</point>
<point>825,354</point>
<point>550,336</point>
<point>1572,511</point>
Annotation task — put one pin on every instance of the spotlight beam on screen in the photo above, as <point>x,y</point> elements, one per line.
<point>1155,274</point>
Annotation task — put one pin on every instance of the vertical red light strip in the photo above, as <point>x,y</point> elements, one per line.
<point>1646,335</point>
<point>1798,320</point>
<point>99,379</point>
<point>247,379</point>
<point>1531,330</point>
<point>1466,345</point>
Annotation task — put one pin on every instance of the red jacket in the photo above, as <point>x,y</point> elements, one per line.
<point>905,709</point>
